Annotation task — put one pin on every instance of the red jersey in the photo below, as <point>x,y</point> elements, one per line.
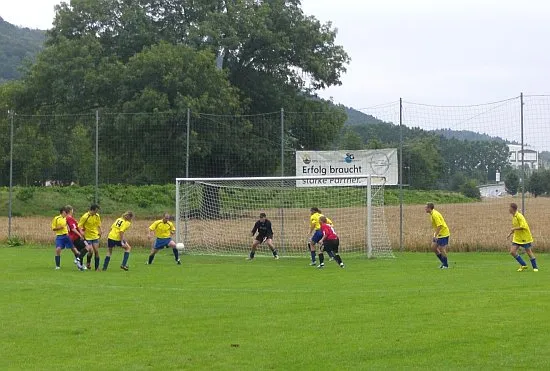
<point>72,224</point>
<point>328,231</point>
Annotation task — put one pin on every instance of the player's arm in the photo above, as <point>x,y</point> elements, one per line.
<point>269,228</point>
<point>56,226</point>
<point>172,228</point>
<point>437,230</point>
<point>324,236</point>
<point>151,230</point>
<point>311,225</point>
<point>254,229</point>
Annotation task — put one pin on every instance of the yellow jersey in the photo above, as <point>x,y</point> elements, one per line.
<point>120,225</point>
<point>163,229</point>
<point>60,221</point>
<point>523,235</point>
<point>90,224</point>
<point>315,223</point>
<point>438,221</point>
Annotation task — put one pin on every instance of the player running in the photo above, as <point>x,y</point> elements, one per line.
<point>265,234</point>
<point>440,239</point>
<point>329,243</point>
<point>315,226</point>
<point>90,223</point>
<point>80,247</point>
<point>116,238</point>
<point>62,241</point>
<point>162,230</point>
<point>521,238</point>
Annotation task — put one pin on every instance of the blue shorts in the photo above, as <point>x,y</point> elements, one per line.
<point>317,236</point>
<point>524,245</point>
<point>93,242</point>
<point>442,242</point>
<point>113,243</point>
<point>161,243</point>
<point>63,241</point>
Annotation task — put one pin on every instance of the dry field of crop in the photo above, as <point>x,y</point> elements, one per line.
<point>479,226</point>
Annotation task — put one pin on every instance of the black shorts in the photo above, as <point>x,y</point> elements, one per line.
<point>113,243</point>
<point>331,245</point>
<point>79,244</point>
<point>263,237</point>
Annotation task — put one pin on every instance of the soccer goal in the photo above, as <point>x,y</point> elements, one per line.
<point>216,215</point>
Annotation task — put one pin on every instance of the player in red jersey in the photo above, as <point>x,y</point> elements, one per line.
<point>329,243</point>
<point>80,246</point>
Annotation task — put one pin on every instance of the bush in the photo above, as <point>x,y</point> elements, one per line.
<point>471,190</point>
<point>15,241</point>
<point>25,194</point>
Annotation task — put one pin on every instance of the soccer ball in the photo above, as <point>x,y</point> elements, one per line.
<point>180,246</point>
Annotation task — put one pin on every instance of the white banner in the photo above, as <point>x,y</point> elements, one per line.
<point>380,163</point>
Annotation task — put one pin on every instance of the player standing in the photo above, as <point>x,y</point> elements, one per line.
<point>522,237</point>
<point>329,243</point>
<point>116,238</point>
<point>162,230</point>
<point>62,241</point>
<point>265,233</point>
<point>77,238</point>
<point>440,240</point>
<point>90,223</point>
<point>315,226</point>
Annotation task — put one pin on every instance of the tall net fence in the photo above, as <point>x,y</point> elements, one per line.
<point>500,148</point>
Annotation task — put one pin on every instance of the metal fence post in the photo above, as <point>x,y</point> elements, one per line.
<point>401,247</point>
<point>10,196</point>
<point>282,212</point>
<point>96,197</point>
<point>522,158</point>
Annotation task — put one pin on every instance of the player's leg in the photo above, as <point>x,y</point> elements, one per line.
<point>127,249</point>
<point>154,251</point>
<point>58,255</point>
<point>314,240</point>
<point>442,244</point>
<point>269,242</point>
<point>334,249</point>
<point>176,252</point>
<point>514,253</point>
<point>254,248</point>
<point>436,250</point>
<point>532,258</point>
<point>321,256</point>
<point>110,245</point>
<point>95,247</point>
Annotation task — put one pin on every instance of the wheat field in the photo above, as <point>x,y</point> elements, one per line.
<point>479,226</point>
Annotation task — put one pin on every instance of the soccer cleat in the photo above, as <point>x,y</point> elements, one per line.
<point>313,264</point>
<point>57,268</point>
<point>276,257</point>
<point>321,265</point>
<point>342,265</point>
<point>522,268</point>
<point>535,269</point>
<point>330,259</point>
<point>178,262</point>
<point>124,267</point>
<point>75,260</point>
<point>88,266</point>
<point>444,267</point>
<point>249,258</point>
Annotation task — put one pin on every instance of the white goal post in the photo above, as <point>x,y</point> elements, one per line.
<point>216,215</point>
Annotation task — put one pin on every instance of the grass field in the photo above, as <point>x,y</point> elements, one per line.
<point>227,313</point>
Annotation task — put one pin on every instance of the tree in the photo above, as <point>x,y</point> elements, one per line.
<point>539,183</point>
<point>511,182</point>
<point>470,189</point>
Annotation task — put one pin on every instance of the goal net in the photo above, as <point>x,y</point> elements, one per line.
<point>216,215</point>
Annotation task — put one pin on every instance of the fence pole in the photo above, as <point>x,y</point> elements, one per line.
<point>10,196</point>
<point>401,247</point>
<point>186,201</point>
<point>281,212</point>
<point>522,159</point>
<point>187,135</point>
<point>96,197</point>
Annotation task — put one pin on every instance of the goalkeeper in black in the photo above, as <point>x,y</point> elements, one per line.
<point>265,234</point>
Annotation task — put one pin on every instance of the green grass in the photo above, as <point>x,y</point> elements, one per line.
<point>227,313</point>
<point>152,200</point>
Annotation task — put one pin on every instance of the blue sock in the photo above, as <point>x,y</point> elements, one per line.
<point>534,263</point>
<point>176,253</point>
<point>96,263</point>
<point>58,261</point>
<point>440,257</point>
<point>125,258</point>
<point>444,261</point>
<point>151,257</point>
<point>106,262</point>
<point>312,256</point>
<point>252,253</point>
<point>520,260</point>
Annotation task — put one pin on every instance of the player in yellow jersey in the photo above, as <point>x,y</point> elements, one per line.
<point>162,230</point>
<point>90,223</point>
<point>440,240</point>
<point>62,240</point>
<point>117,238</point>
<point>315,228</point>
<point>522,237</point>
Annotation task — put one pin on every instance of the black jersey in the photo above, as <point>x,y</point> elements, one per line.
<point>263,228</point>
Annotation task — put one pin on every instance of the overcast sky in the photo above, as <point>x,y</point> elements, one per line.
<point>431,51</point>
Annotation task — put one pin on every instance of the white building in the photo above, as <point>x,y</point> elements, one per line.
<point>531,156</point>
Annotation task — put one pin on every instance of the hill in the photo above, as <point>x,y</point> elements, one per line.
<point>16,45</point>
